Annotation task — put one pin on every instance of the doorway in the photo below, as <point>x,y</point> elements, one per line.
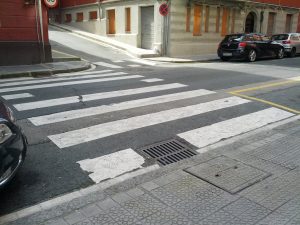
<point>147,27</point>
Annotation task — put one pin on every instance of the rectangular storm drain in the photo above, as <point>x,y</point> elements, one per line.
<point>167,152</point>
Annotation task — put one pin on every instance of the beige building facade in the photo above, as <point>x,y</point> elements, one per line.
<point>192,27</point>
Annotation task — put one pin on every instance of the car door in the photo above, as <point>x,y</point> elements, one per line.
<point>297,42</point>
<point>265,45</point>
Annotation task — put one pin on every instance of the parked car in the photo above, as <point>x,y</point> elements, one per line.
<point>290,42</point>
<point>13,145</point>
<point>249,47</point>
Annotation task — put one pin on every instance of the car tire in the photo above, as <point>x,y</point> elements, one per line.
<point>280,53</point>
<point>252,55</point>
<point>292,53</point>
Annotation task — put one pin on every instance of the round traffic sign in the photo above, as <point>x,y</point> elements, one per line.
<point>51,3</point>
<point>164,9</point>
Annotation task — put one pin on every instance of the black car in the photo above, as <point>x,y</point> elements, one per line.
<point>249,47</point>
<point>13,145</point>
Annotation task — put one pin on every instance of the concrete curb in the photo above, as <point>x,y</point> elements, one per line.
<point>45,72</point>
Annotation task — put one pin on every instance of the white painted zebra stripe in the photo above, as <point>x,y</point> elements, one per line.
<point>152,80</point>
<point>211,134</point>
<point>39,81</point>
<point>80,113</point>
<point>96,96</point>
<point>79,136</point>
<point>142,61</point>
<point>68,83</point>
<point>89,72</point>
<point>112,165</point>
<point>134,65</point>
<point>104,64</point>
<point>15,79</point>
<point>17,96</point>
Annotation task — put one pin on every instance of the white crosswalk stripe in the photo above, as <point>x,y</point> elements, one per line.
<point>79,136</point>
<point>17,96</point>
<point>67,83</point>
<point>104,64</point>
<point>79,113</point>
<point>208,135</point>
<point>39,81</point>
<point>152,80</point>
<point>96,96</point>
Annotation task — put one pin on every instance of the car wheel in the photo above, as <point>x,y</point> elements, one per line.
<point>280,53</point>
<point>252,55</point>
<point>225,58</point>
<point>292,53</point>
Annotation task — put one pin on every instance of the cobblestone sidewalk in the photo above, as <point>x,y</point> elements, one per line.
<point>255,180</point>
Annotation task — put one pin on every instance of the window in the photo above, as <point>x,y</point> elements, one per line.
<point>225,21</point>
<point>68,18</point>
<point>218,20</point>
<point>93,15</point>
<point>127,20</point>
<point>288,23</point>
<point>188,19</point>
<point>206,19</point>
<point>271,22</point>
<point>197,20</point>
<point>79,17</point>
<point>294,37</point>
<point>233,21</point>
<point>111,21</point>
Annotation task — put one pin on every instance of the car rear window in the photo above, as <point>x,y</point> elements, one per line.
<point>280,37</point>
<point>235,37</point>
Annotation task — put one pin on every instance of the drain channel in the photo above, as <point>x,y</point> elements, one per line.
<point>167,152</point>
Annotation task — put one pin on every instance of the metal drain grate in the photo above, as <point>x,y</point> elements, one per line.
<point>167,152</point>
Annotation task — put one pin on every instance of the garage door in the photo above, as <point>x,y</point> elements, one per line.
<point>147,32</point>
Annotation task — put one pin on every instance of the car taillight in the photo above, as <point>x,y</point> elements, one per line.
<point>242,44</point>
<point>286,42</point>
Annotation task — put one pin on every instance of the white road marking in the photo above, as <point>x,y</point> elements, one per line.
<point>104,64</point>
<point>39,86</point>
<point>17,96</point>
<point>95,132</point>
<point>112,165</point>
<point>134,65</point>
<point>142,61</point>
<point>295,78</point>
<point>15,79</point>
<point>118,61</point>
<point>152,80</point>
<point>96,96</point>
<point>81,73</point>
<point>80,113</point>
<point>39,81</point>
<point>211,134</point>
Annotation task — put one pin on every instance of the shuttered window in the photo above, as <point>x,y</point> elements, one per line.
<point>197,20</point>
<point>225,21</point>
<point>271,22</point>
<point>127,20</point>
<point>218,20</point>
<point>93,15</point>
<point>68,18</point>
<point>111,21</point>
<point>188,19</point>
<point>79,17</point>
<point>288,23</point>
<point>206,19</point>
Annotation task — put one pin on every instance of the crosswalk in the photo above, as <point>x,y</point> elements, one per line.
<point>87,119</point>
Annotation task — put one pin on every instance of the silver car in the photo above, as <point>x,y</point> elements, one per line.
<point>290,42</point>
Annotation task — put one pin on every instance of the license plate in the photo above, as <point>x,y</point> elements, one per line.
<point>227,54</point>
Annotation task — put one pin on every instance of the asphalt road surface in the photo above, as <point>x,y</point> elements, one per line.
<point>77,122</point>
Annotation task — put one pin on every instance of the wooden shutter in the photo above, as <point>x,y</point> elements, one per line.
<point>79,17</point>
<point>206,19</point>
<point>128,20</point>
<point>93,15</point>
<point>225,21</point>
<point>288,23</point>
<point>111,21</point>
<point>197,20</point>
<point>271,22</point>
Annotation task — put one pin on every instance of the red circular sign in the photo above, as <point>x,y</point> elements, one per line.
<point>164,9</point>
<point>51,3</point>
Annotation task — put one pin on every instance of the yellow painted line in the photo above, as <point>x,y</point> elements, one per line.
<point>266,102</point>
<point>265,86</point>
